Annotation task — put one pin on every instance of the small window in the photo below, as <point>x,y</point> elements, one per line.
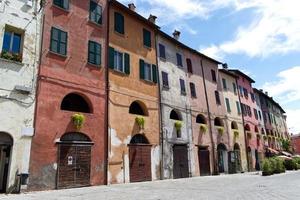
<point>175,115</point>
<point>252,97</point>
<point>95,12</point>
<point>64,4</point>
<point>241,91</point>
<point>189,65</point>
<point>165,79</point>
<point>75,103</point>
<point>182,87</point>
<point>162,51</point>
<point>119,61</point>
<point>255,113</point>
<point>193,90</point>
<point>58,42</point>
<point>11,48</point>
<point>148,72</point>
<point>200,119</point>
<point>147,38</point>
<point>179,60</point>
<point>119,23</point>
<point>138,108</point>
<point>245,91</point>
<point>234,88</point>
<point>238,107</point>
<point>94,56</point>
<point>213,75</point>
<point>224,84</point>
<point>228,105</point>
<point>217,95</point>
<point>259,114</point>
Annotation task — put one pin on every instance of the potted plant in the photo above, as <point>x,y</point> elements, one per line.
<point>78,120</point>
<point>236,134</point>
<point>140,121</point>
<point>178,125</point>
<point>220,130</point>
<point>203,128</point>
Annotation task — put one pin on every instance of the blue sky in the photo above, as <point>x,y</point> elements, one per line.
<point>260,37</point>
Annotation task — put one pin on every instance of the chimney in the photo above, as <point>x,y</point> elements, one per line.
<point>225,66</point>
<point>152,18</point>
<point>261,90</point>
<point>176,35</point>
<point>132,7</point>
<point>266,93</point>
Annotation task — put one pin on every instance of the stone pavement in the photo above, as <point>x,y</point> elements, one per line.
<point>249,186</point>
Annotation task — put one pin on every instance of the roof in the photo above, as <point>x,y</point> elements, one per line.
<point>269,98</point>
<point>132,13</point>
<point>187,47</point>
<point>225,71</point>
<point>236,71</point>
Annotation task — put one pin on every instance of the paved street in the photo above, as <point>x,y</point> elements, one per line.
<point>241,186</point>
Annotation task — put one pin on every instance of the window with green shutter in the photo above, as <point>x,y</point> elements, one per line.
<point>64,4</point>
<point>119,61</point>
<point>95,12</point>
<point>59,40</point>
<point>228,105</point>
<point>238,107</point>
<point>147,38</point>
<point>94,56</point>
<point>119,23</point>
<point>148,72</point>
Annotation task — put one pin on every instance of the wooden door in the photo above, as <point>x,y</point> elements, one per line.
<point>4,166</point>
<point>180,161</point>
<point>140,163</point>
<point>74,166</point>
<point>204,162</point>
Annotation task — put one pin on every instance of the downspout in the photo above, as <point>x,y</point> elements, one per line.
<point>160,117</point>
<point>245,135</point>
<point>209,119</point>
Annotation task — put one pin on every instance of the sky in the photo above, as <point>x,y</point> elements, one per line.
<point>259,37</point>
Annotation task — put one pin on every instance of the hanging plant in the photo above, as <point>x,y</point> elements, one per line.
<point>203,128</point>
<point>78,120</point>
<point>265,137</point>
<point>178,125</point>
<point>140,121</point>
<point>236,134</point>
<point>220,130</point>
<point>249,135</point>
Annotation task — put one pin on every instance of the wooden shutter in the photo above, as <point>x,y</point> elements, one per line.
<point>119,23</point>
<point>142,69</point>
<point>111,53</point>
<point>63,42</point>
<point>127,63</point>
<point>154,73</point>
<point>147,38</point>
<point>98,54</point>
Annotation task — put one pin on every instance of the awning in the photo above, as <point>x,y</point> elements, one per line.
<point>286,153</point>
<point>273,151</point>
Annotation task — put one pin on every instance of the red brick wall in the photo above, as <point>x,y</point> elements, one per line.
<point>296,144</point>
<point>59,76</point>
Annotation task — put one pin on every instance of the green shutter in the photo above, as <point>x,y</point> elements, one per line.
<point>127,63</point>
<point>111,53</point>
<point>227,105</point>
<point>154,73</point>
<point>147,38</point>
<point>142,70</point>
<point>119,23</point>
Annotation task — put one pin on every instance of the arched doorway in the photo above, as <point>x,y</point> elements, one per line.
<point>237,154</point>
<point>74,160</point>
<point>222,158</point>
<point>6,143</point>
<point>139,159</point>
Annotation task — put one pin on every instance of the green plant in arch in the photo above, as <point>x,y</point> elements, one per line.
<point>203,128</point>
<point>236,134</point>
<point>178,125</point>
<point>220,130</point>
<point>140,121</point>
<point>78,120</point>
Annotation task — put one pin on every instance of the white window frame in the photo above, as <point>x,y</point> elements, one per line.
<point>151,73</point>
<point>116,53</point>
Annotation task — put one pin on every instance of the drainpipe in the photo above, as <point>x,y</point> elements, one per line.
<point>215,172</point>
<point>245,135</point>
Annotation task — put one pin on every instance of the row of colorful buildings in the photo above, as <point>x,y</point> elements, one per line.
<point>92,93</point>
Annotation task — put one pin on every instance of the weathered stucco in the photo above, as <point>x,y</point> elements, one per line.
<point>17,108</point>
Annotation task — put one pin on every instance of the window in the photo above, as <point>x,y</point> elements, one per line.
<point>162,51</point>
<point>189,65</point>
<point>95,12</point>
<point>259,114</point>
<point>175,115</point>
<point>241,90</point>
<point>64,4</point>
<point>58,41</point>
<point>224,84</point>
<point>255,113</point>
<point>182,87</point>
<point>245,91</point>
<point>12,45</point>
<point>228,105</point>
<point>94,56</point>
<point>179,60</point>
<point>148,72</point>
<point>165,79</point>
<point>217,95</point>
<point>119,61</point>
<point>138,108</point>
<point>213,75</point>
<point>238,107</point>
<point>234,88</point>
<point>75,103</point>
<point>252,97</point>
<point>119,23</point>
<point>147,38</point>
<point>193,90</point>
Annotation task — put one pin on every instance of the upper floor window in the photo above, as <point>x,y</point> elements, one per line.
<point>224,83</point>
<point>162,51</point>
<point>179,59</point>
<point>234,88</point>
<point>182,86</point>
<point>95,12</point>
<point>241,90</point>
<point>119,61</point>
<point>245,91</point>
<point>193,90</point>
<point>213,75</point>
<point>189,65</point>
<point>119,23</point>
<point>94,56</point>
<point>255,113</point>
<point>64,4</point>
<point>218,100</point>
<point>165,80</point>
<point>148,72</point>
<point>238,107</point>
<point>12,42</point>
<point>227,105</point>
<point>252,97</point>
<point>259,114</point>
<point>147,38</point>
<point>59,40</point>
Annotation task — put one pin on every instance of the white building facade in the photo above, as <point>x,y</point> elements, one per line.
<point>19,47</point>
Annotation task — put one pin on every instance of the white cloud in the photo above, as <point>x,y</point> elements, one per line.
<point>287,91</point>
